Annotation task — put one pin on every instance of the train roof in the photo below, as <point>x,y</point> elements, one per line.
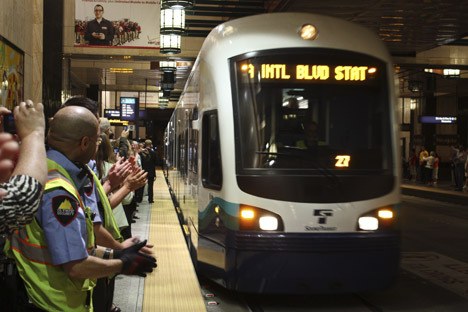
<point>280,30</point>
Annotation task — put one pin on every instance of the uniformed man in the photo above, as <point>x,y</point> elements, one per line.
<point>56,254</point>
<point>105,228</point>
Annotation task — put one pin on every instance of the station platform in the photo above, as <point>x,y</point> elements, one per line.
<point>443,191</point>
<point>173,286</point>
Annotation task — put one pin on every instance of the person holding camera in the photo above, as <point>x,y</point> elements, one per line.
<point>23,172</point>
<point>23,168</point>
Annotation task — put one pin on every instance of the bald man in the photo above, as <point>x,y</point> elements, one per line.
<point>56,254</point>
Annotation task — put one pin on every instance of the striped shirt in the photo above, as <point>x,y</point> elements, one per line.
<point>19,205</point>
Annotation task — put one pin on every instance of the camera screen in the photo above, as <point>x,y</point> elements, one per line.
<point>9,124</point>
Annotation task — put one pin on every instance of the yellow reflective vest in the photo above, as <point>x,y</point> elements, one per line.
<point>49,287</point>
<point>109,219</point>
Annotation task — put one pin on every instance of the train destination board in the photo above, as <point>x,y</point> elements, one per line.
<point>309,72</point>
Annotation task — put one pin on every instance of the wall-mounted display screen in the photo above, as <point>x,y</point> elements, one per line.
<point>112,113</point>
<point>128,107</point>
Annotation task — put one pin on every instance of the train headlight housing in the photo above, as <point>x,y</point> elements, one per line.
<point>383,218</point>
<point>308,32</point>
<point>257,219</point>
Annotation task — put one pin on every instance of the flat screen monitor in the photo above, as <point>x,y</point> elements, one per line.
<point>112,113</point>
<point>128,107</point>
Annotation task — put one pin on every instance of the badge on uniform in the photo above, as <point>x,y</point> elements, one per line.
<point>65,209</point>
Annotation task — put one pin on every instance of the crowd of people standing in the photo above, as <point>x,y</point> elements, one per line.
<point>62,210</point>
<point>423,167</point>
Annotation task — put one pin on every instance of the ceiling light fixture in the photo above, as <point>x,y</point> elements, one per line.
<point>172,21</point>
<point>170,44</point>
<point>167,66</point>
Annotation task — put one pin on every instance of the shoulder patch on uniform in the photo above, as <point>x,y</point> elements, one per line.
<point>65,209</point>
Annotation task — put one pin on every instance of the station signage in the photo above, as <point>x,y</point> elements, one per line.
<point>112,113</point>
<point>128,108</point>
<point>438,119</point>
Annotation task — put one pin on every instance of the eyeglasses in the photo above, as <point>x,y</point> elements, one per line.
<point>98,10</point>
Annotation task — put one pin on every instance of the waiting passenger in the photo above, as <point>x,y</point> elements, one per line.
<point>148,162</point>
<point>428,167</point>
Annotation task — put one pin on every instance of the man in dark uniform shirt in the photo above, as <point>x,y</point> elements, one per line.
<point>99,31</point>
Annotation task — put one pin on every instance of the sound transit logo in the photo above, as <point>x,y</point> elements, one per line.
<point>323,215</point>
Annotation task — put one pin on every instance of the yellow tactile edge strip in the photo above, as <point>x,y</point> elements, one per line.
<point>173,286</point>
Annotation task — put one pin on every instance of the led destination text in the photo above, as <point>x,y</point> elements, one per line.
<point>310,72</point>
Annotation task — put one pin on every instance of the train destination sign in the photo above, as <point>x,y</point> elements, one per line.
<point>309,72</point>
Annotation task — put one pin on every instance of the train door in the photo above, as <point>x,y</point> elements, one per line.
<point>210,251</point>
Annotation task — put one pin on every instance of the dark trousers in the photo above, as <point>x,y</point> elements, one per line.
<point>428,174</point>
<point>129,212</point>
<point>13,294</point>
<point>103,294</point>
<point>139,194</point>
<point>459,175</point>
<point>150,188</point>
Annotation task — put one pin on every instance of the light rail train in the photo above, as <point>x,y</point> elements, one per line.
<point>282,157</point>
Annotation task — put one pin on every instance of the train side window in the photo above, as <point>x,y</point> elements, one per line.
<point>212,176</point>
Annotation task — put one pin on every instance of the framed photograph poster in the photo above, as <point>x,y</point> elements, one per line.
<point>117,23</point>
<point>12,73</point>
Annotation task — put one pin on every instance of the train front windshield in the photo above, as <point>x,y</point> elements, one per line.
<point>311,112</point>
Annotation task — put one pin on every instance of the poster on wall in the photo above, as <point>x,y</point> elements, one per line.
<point>12,71</point>
<point>117,23</point>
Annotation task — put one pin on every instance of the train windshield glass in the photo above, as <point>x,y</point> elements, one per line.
<point>311,109</point>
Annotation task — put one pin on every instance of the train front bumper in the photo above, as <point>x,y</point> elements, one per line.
<point>311,263</point>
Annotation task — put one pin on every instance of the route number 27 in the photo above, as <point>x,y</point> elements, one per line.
<point>342,160</point>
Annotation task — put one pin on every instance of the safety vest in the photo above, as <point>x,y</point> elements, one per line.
<point>109,219</point>
<point>49,287</point>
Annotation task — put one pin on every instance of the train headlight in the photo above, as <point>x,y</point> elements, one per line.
<point>268,223</point>
<point>385,214</point>
<point>308,32</point>
<point>379,219</point>
<point>257,219</point>
<point>368,223</point>
<point>247,214</point>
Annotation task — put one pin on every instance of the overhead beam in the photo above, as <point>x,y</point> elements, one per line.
<point>218,14</point>
<point>251,3</point>
<point>202,23</point>
<point>228,9</point>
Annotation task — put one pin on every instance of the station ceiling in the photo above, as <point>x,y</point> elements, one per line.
<point>413,30</point>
